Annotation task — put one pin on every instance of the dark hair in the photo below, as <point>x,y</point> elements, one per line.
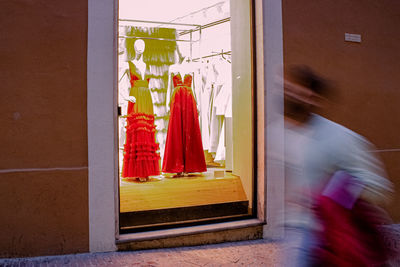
<point>305,76</point>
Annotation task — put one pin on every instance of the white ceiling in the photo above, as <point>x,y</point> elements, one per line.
<point>161,10</point>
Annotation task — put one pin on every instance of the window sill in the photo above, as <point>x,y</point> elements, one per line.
<point>192,230</point>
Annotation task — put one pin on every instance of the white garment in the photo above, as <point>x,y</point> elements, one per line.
<point>158,70</point>
<point>197,87</point>
<point>215,131</point>
<point>334,148</point>
<point>159,110</point>
<point>223,99</point>
<point>158,91</point>
<point>214,120</point>
<point>220,102</point>
<point>157,83</point>
<point>222,107</point>
<point>158,97</point>
<point>160,124</point>
<point>160,139</point>
<point>220,154</point>
<point>205,100</point>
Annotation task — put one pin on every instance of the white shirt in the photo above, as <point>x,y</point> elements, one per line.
<point>313,153</point>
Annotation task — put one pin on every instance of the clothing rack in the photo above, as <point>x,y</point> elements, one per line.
<point>186,31</point>
<point>208,25</point>
<point>191,41</point>
<point>161,39</point>
<point>214,55</point>
<point>205,26</point>
<point>160,22</point>
<point>198,27</point>
<point>201,10</point>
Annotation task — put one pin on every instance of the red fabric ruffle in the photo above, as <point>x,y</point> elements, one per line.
<point>140,150</point>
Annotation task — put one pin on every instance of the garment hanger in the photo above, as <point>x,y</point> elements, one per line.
<point>222,55</point>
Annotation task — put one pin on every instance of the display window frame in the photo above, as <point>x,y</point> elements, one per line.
<point>102,139</point>
<point>243,151</point>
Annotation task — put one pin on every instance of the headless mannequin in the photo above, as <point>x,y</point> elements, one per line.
<point>138,61</point>
<point>182,68</point>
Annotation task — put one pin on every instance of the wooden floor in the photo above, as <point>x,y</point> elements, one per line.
<point>169,192</point>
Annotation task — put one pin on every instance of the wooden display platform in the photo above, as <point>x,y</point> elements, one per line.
<point>164,201</point>
<point>194,190</point>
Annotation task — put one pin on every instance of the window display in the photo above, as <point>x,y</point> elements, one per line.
<point>176,124</point>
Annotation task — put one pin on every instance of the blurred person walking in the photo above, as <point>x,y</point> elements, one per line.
<point>335,185</point>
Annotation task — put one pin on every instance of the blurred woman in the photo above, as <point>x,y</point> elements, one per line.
<point>336,156</point>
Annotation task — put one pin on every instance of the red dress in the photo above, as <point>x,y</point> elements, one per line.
<point>183,148</point>
<point>140,150</point>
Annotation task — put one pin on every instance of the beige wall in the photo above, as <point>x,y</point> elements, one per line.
<point>259,39</point>
<point>242,94</point>
<point>365,73</point>
<point>43,160</point>
<point>270,143</point>
<point>102,83</point>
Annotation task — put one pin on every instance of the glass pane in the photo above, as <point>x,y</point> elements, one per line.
<point>185,124</point>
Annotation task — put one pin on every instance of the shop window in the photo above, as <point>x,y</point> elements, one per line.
<point>185,113</point>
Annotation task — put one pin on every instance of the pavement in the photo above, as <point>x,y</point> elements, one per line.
<point>259,252</point>
<point>245,253</point>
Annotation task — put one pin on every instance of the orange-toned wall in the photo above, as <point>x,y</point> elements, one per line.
<point>366,74</point>
<point>43,126</point>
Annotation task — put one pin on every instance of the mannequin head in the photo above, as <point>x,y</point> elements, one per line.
<point>139,47</point>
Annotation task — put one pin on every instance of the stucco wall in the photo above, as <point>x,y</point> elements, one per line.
<point>242,95</point>
<point>43,136</point>
<point>366,73</point>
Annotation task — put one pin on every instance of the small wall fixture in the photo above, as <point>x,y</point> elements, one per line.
<point>350,37</point>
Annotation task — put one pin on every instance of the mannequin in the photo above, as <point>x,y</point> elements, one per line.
<point>183,67</point>
<point>138,61</point>
<point>183,149</point>
<point>141,159</point>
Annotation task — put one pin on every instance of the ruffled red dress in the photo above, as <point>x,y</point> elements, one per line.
<point>141,158</point>
<point>183,148</point>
